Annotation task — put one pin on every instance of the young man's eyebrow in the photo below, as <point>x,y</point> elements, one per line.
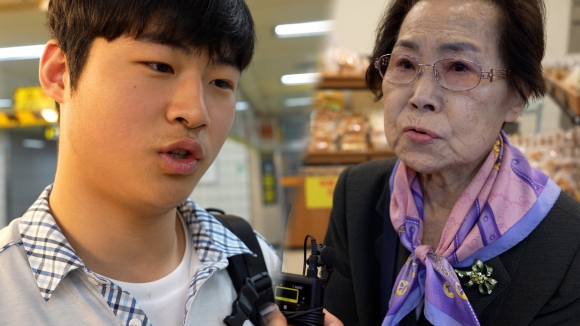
<point>217,59</point>
<point>153,37</point>
<point>223,60</point>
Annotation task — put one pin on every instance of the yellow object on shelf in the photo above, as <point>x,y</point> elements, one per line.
<point>5,121</point>
<point>27,119</point>
<point>31,99</point>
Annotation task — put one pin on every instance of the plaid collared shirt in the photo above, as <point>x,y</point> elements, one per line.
<point>51,257</point>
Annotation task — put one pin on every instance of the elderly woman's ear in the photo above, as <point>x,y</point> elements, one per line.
<point>517,107</point>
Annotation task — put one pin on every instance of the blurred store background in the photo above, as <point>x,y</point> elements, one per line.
<point>303,113</point>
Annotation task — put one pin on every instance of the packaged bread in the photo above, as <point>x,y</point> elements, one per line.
<point>378,140</point>
<point>354,141</point>
<point>353,123</point>
<point>376,120</point>
<point>323,131</point>
<point>322,143</point>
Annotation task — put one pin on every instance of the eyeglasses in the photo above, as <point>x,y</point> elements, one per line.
<point>457,75</point>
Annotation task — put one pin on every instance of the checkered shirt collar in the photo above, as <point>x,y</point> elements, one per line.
<point>51,256</point>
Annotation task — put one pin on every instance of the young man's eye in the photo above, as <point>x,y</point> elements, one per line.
<point>161,67</point>
<point>222,84</point>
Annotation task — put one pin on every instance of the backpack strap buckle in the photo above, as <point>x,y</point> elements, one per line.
<point>257,289</point>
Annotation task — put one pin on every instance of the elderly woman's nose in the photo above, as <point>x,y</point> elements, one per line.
<point>425,91</point>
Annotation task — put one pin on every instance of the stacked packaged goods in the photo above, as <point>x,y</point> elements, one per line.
<point>557,154</point>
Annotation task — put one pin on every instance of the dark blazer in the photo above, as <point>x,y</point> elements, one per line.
<point>538,279</point>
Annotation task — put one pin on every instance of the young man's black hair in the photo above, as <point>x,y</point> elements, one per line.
<point>225,28</point>
<point>146,91</point>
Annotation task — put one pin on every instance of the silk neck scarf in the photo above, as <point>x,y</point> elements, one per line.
<point>501,206</point>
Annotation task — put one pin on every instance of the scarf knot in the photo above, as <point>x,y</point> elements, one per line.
<point>421,252</point>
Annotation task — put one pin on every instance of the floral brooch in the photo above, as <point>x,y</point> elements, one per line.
<point>480,275</point>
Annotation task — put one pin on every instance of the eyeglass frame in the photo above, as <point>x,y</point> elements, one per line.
<point>500,73</point>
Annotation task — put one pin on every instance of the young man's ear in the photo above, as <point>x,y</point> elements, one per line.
<point>52,71</point>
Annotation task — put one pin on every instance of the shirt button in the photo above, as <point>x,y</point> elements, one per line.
<point>135,322</point>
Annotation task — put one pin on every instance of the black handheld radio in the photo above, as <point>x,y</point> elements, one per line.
<point>301,297</point>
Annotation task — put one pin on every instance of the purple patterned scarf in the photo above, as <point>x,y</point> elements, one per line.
<point>501,206</point>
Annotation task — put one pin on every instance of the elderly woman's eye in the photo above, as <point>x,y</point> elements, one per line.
<point>459,67</point>
<point>406,64</point>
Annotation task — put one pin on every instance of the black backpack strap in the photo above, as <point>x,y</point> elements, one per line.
<point>249,274</point>
<point>243,230</point>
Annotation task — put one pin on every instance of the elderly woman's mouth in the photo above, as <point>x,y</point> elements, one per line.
<point>420,135</point>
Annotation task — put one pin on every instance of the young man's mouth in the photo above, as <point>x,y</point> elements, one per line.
<point>179,154</point>
<point>182,156</point>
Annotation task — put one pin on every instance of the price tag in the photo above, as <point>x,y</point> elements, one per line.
<point>319,190</point>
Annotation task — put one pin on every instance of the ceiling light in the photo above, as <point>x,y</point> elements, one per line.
<point>304,29</point>
<point>297,79</point>
<point>21,52</point>
<point>241,106</point>
<point>5,103</point>
<point>299,101</point>
<point>50,115</point>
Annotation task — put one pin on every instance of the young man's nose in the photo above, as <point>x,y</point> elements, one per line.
<point>189,105</point>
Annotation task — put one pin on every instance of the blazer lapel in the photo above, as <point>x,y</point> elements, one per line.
<point>380,209</point>
<point>480,301</point>
<point>386,247</point>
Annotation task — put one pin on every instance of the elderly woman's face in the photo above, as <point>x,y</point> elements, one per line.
<point>430,128</point>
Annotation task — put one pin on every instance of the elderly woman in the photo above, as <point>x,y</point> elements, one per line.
<point>460,229</point>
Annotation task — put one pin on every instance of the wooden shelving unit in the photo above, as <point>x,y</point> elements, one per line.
<point>303,220</point>
<point>344,157</point>
<point>568,99</point>
<point>349,82</point>
<point>307,220</point>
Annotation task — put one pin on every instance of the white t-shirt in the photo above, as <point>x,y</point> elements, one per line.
<point>163,300</point>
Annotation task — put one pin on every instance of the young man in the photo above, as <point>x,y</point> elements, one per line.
<point>146,91</point>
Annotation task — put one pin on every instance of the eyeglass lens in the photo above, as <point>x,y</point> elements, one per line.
<point>453,74</point>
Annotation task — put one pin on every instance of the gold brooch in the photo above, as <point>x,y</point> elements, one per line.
<point>479,274</point>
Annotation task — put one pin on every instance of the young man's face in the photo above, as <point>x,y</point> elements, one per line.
<point>145,120</point>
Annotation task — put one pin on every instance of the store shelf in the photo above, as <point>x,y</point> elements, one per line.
<point>351,82</point>
<point>567,99</point>
<point>291,181</point>
<point>344,157</point>
<point>303,220</point>
<point>312,191</point>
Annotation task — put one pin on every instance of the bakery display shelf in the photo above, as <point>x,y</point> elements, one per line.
<point>567,99</point>
<point>350,82</point>
<point>344,157</point>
